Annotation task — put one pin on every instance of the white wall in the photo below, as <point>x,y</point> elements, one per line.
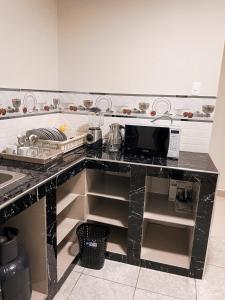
<point>28,44</point>
<point>217,145</point>
<point>140,46</point>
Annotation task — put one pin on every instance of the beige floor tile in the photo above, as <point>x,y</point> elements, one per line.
<point>212,286</point>
<point>218,223</point>
<point>167,284</point>
<point>37,296</point>
<point>216,252</point>
<point>117,272</point>
<point>145,295</point>
<point>78,268</point>
<point>67,287</point>
<point>92,288</point>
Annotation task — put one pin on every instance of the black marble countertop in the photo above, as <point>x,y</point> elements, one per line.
<point>38,174</point>
<point>192,161</point>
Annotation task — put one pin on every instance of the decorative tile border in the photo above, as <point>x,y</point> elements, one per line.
<point>185,102</point>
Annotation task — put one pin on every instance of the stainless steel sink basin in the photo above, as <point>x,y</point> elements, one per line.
<point>8,177</point>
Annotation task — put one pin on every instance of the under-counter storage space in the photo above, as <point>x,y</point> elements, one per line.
<point>167,244</point>
<point>31,224</point>
<point>68,192</point>
<point>169,221</point>
<point>69,218</point>
<point>108,184</point>
<point>158,208</point>
<point>67,251</point>
<point>117,240</point>
<point>70,213</point>
<point>108,211</point>
<point>171,201</point>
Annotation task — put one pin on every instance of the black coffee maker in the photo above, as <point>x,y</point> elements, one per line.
<point>15,279</point>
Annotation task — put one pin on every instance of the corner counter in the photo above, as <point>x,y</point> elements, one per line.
<point>131,195</point>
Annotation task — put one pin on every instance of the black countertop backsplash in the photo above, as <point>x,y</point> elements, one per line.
<point>37,174</point>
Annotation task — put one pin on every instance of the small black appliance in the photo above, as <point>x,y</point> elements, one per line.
<point>152,141</point>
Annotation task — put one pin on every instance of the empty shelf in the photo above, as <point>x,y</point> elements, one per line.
<point>38,296</point>
<point>156,208</point>
<point>109,194</point>
<point>108,211</point>
<point>65,200</point>
<point>110,186</point>
<point>64,228</point>
<point>65,257</point>
<point>117,242</point>
<point>167,245</point>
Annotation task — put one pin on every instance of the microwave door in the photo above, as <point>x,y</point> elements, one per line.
<point>147,140</point>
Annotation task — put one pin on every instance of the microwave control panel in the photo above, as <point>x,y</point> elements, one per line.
<point>174,144</point>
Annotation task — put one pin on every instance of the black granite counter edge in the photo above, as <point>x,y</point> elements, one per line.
<point>31,182</point>
<point>36,176</point>
<point>188,161</point>
<point>157,166</point>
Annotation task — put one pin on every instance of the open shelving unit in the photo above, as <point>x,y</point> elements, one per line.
<point>167,232</point>
<point>108,185</point>
<point>157,208</point>
<point>65,227</point>
<point>117,240</point>
<point>166,244</point>
<point>108,211</point>
<point>70,212</point>
<point>67,252</point>
<point>107,203</point>
<point>64,200</point>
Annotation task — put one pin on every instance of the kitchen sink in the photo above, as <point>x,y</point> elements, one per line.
<point>8,177</point>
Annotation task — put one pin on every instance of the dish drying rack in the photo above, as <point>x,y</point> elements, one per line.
<point>64,146</point>
<point>52,156</point>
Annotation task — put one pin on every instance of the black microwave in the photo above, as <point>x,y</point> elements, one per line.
<point>153,141</point>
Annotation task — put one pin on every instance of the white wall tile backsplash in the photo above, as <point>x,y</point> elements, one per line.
<point>195,135</point>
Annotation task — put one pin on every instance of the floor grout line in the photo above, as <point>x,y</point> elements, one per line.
<point>196,297</point>
<point>136,282</point>
<point>153,292</point>
<point>74,285</point>
<point>207,264</point>
<point>109,280</point>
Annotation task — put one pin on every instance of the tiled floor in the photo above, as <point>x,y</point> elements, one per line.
<point>117,281</point>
